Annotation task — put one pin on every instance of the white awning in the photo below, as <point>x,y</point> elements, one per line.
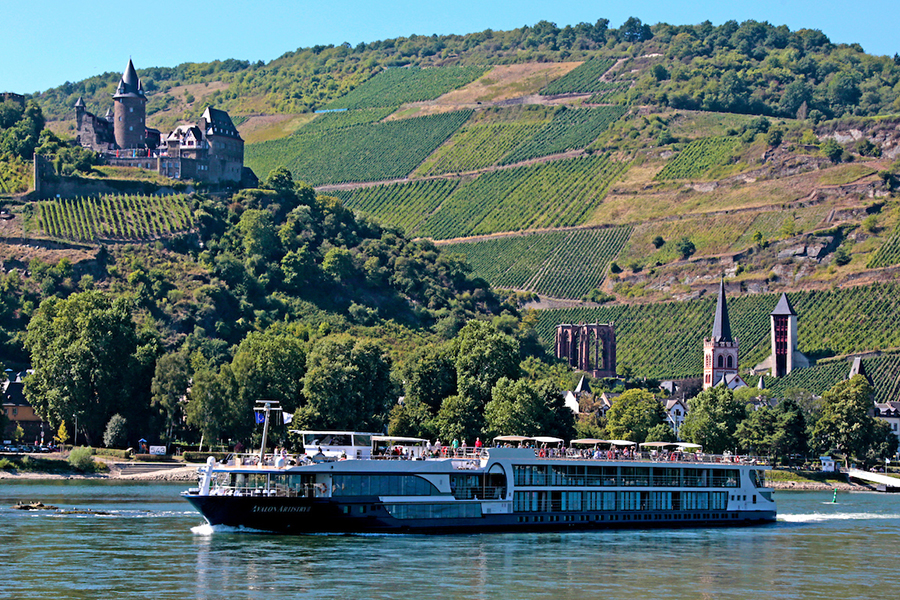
<point>511,438</point>
<point>547,440</point>
<point>657,444</point>
<point>589,441</point>
<point>620,442</point>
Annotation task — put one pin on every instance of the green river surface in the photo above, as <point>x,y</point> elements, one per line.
<point>153,545</point>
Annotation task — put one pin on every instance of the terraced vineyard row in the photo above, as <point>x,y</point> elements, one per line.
<point>666,340</point>
<point>479,146</point>
<point>815,379</point>
<point>583,79</point>
<point>363,153</point>
<point>889,253</point>
<point>883,371</point>
<point>115,217</point>
<point>698,157</point>
<point>402,205</point>
<point>343,119</point>
<point>606,91</point>
<point>555,194</point>
<point>570,129</point>
<point>563,264</point>
<point>774,225</point>
<point>393,87</point>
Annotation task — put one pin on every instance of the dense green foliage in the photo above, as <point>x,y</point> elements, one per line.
<point>80,347</point>
<point>571,129</point>
<point>560,264</point>
<point>393,87</point>
<point>554,194</point>
<point>369,152</point>
<point>699,157</point>
<point>663,340</point>
<point>583,79</point>
<point>115,217</point>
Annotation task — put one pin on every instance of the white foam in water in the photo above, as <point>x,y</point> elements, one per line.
<point>848,516</point>
<point>207,529</point>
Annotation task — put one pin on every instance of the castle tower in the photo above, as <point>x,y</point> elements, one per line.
<point>720,352</point>
<point>130,110</point>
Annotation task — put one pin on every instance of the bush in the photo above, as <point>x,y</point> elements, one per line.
<point>82,459</point>
<point>841,256</point>
<point>124,454</point>
<point>116,431</point>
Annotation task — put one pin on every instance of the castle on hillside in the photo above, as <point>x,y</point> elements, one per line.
<point>210,150</point>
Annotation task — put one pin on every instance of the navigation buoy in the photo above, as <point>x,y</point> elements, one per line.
<point>834,497</point>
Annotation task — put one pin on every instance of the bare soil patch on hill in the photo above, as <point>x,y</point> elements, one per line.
<point>508,81</point>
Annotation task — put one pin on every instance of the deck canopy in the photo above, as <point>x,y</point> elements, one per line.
<point>620,442</point>
<point>398,439</point>
<point>657,444</point>
<point>511,438</point>
<point>547,439</point>
<point>687,446</point>
<point>589,441</point>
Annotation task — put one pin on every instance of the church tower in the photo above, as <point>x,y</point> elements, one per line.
<point>720,352</point>
<point>130,110</point>
<point>785,357</point>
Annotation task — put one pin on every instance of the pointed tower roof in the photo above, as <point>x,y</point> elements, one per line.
<point>583,386</point>
<point>721,325</point>
<point>784,307</point>
<point>761,385</point>
<point>130,84</point>
<point>79,103</point>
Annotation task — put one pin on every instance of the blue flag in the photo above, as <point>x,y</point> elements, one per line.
<point>260,417</point>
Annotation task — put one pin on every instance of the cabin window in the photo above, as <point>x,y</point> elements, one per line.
<point>434,511</point>
<point>382,485</point>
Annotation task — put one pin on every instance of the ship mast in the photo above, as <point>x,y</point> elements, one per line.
<point>267,406</point>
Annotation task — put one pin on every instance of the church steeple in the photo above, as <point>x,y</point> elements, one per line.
<point>721,325</point>
<point>721,350</point>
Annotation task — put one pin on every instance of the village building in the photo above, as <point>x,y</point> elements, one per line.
<point>19,412</point>
<point>210,150</point>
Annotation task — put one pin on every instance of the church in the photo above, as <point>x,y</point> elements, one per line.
<point>721,350</point>
<point>210,150</point>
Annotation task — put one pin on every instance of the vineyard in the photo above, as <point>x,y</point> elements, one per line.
<point>775,225</point>
<point>889,253</point>
<point>882,372</point>
<point>393,87</point>
<point>477,147</point>
<point>710,234</point>
<point>402,205</point>
<point>115,217</point>
<point>699,157</point>
<point>564,264</point>
<point>369,152</point>
<point>570,129</point>
<point>666,340</point>
<point>344,119</point>
<point>607,91</point>
<point>555,194</point>
<point>583,79</point>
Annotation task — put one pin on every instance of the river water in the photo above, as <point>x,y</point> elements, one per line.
<point>151,544</point>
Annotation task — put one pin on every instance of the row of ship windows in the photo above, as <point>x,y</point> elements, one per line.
<point>576,475</point>
<point>657,517</point>
<point>615,501</point>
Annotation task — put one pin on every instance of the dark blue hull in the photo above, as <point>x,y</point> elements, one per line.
<point>368,515</point>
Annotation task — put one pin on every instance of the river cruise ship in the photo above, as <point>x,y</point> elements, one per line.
<point>482,489</point>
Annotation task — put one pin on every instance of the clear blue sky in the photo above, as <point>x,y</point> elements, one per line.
<point>48,42</point>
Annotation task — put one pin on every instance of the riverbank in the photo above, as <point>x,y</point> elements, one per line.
<point>185,473</point>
